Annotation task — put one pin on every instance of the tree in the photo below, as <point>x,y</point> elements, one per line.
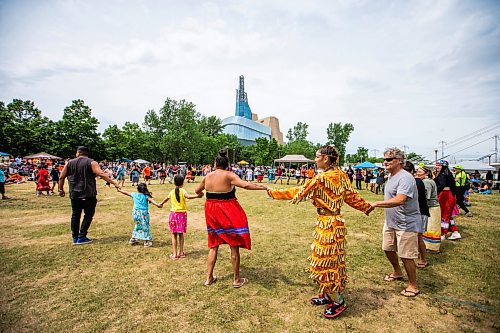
<point>210,126</point>
<point>175,130</point>
<point>134,140</point>
<point>416,158</point>
<point>273,149</point>
<point>261,152</point>
<point>360,156</point>
<point>298,132</point>
<point>301,147</point>
<point>114,143</point>
<point>79,128</point>
<point>338,135</point>
<point>24,130</point>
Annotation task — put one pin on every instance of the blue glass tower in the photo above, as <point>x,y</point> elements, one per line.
<point>242,107</point>
<point>241,124</point>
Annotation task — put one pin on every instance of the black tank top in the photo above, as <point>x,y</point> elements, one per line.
<point>81,179</point>
<point>222,195</point>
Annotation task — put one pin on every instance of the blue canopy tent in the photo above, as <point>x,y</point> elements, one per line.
<point>4,154</point>
<point>365,165</point>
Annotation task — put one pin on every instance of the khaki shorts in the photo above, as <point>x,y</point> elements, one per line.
<point>405,243</point>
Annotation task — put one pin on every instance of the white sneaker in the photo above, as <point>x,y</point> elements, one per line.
<point>469,214</point>
<point>443,238</point>
<point>455,235</point>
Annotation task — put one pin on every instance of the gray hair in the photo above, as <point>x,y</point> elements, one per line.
<point>396,153</point>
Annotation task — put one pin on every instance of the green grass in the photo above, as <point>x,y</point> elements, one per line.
<point>48,285</point>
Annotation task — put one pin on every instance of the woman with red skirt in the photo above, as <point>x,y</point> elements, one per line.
<point>226,221</point>
<point>445,182</point>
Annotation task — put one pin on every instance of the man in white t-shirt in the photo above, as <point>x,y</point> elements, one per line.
<point>402,215</point>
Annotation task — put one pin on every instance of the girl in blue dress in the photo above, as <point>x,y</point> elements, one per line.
<point>140,214</point>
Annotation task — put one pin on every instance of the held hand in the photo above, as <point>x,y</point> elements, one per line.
<point>160,205</point>
<point>200,195</point>
<point>370,209</point>
<point>61,193</point>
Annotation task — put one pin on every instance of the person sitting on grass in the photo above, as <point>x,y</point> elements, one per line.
<point>485,189</point>
<point>140,214</point>
<point>177,219</point>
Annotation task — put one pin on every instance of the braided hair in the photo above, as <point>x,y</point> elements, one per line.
<point>331,152</point>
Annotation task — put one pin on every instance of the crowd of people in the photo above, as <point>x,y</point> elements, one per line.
<point>421,206</point>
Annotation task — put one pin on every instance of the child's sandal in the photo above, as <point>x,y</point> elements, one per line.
<point>181,255</point>
<point>173,257</point>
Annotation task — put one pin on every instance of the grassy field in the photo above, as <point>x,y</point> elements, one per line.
<point>48,285</point>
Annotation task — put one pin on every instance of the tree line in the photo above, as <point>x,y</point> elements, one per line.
<point>176,132</point>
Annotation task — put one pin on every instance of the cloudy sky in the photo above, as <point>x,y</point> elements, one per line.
<point>404,73</point>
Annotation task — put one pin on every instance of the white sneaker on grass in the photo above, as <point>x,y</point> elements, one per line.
<point>455,235</point>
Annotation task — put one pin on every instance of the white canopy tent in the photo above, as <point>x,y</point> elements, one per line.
<point>42,155</point>
<point>472,166</point>
<point>296,159</point>
<point>293,159</point>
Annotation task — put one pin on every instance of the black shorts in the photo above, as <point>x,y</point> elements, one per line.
<point>2,188</point>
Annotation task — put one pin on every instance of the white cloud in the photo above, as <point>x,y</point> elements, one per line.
<point>404,73</point>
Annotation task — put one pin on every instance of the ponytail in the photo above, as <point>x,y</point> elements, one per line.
<point>177,195</point>
<point>178,181</point>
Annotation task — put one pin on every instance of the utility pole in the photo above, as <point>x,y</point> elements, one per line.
<point>436,154</point>
<point>442,148</point>
<point>496,149</point>
<point>405,148</point>
<point>374,151</point>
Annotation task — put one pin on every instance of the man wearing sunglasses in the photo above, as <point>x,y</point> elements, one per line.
<point>402,215</point>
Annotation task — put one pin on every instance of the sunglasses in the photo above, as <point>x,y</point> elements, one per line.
<point>389,159</point>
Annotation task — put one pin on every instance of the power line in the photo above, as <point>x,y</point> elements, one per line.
<point>458,151</point>
<point>476,133</point>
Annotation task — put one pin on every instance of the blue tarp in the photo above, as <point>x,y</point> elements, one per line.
<point>4,154</point>
<point>365,165</point>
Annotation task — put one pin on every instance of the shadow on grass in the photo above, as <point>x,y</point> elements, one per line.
<point>365,300</point>
<point>125,239</point>
<point>269,277</point>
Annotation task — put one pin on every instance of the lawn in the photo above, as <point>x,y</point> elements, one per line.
<point>48,285</point>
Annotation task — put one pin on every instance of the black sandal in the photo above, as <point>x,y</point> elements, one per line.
<point>321,300</point>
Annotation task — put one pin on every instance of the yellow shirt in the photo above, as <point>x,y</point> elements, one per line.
<point>178,206</point>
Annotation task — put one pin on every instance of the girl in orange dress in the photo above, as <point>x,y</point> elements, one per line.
<point>327,191</point>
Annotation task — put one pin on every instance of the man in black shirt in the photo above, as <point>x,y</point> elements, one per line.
<point>81,173</point>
